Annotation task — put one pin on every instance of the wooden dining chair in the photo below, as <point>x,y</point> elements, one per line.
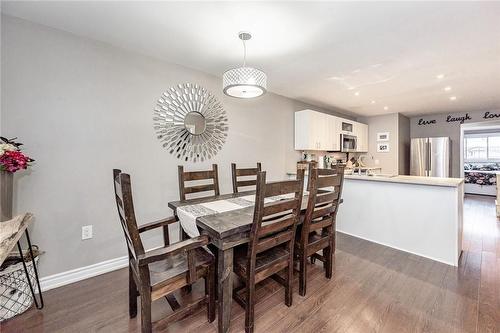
<point>318,227</point>
<point>185,176</point>
<point>244,172</point>
<point>158,273</point>
<point>270,249</point>
<point>325,172</point>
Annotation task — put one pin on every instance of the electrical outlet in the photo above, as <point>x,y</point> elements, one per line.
<point>86,232</point>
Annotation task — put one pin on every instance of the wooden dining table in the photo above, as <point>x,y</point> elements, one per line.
<point>226,231</point>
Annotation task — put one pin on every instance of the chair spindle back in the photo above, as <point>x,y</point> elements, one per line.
<point>198,176</point>
<point>244,172</point>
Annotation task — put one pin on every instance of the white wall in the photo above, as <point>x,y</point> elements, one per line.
<point>404,142</point>
<point>397,160</point>
<point>83,108</point>
<point>388,161</point>
<point>443,126</point>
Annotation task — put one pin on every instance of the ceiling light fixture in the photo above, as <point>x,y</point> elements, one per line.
<point>386,108</point>
<point>447,88</point>
<point>453,98</point>
<point>244,82</point>
<point>373,102</point>
<point>356,93</point>
<point>440,76</point>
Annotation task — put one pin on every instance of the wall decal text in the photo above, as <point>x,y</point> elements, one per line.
<point>489,115</point>
<point>461,120</point>
<point>426,122</point>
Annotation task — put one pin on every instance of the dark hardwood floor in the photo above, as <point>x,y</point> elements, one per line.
<point>374,289</point>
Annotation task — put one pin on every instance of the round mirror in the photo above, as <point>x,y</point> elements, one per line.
<point>195,123</point>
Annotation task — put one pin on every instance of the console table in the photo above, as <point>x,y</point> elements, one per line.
<point>10,234</point>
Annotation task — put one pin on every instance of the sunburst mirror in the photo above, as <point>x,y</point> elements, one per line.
<point>190,122</point>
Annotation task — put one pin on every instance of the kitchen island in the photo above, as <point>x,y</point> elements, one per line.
<point>420,215</point>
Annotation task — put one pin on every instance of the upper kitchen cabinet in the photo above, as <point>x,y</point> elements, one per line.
<point>332,139</point>
<point>344,126</point>
<point>314,131</point>
<point>361,132</point>
<point>320,131</point>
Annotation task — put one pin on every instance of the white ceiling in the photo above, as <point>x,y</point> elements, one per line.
<point>317,52</point>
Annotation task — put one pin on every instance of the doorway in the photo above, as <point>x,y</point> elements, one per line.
<point>480,157</point>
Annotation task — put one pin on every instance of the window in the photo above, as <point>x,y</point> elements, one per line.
<point>482,147</point>
<point>476,148</point>
<point>494,147</point>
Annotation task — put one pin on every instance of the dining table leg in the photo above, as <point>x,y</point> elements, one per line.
<point>225,288</point>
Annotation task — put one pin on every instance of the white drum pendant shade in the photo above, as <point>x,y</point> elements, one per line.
<point>244,82</point>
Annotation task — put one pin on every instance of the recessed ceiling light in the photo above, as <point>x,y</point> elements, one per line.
<point>356,93</point>
<point>386,108</point>
<point>447,88</point>
<point>373,102</point>
<point>453,98</point>
<point>439,76</point>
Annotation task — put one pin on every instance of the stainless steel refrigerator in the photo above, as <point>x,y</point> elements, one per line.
<point>430,157</point>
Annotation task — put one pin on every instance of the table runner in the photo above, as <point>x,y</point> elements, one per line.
<point>188,214</point>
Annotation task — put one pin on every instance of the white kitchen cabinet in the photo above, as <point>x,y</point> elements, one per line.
<point>310,130</point>
<point>333,137</point>
<point>361,132</point>
<point>321,135</point>
<point>345,126</point>
<point>320,131</point>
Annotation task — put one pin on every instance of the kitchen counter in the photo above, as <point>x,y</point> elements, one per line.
<point>432,181</point>
<point>419,215</point>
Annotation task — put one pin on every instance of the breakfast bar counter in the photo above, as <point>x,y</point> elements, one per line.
<point>420,215</point>
<point>417,180</point>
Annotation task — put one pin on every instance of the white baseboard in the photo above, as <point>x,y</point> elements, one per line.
<point>82,273</point>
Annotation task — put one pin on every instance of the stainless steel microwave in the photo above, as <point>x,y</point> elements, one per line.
<point>348,143</point>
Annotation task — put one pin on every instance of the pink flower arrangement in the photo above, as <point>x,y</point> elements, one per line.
<point>11,157</point>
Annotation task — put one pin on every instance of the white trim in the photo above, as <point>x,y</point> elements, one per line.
<point>86,272</point>
<point>82,273</point>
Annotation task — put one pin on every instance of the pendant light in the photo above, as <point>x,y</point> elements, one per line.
<point>244,82</point>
